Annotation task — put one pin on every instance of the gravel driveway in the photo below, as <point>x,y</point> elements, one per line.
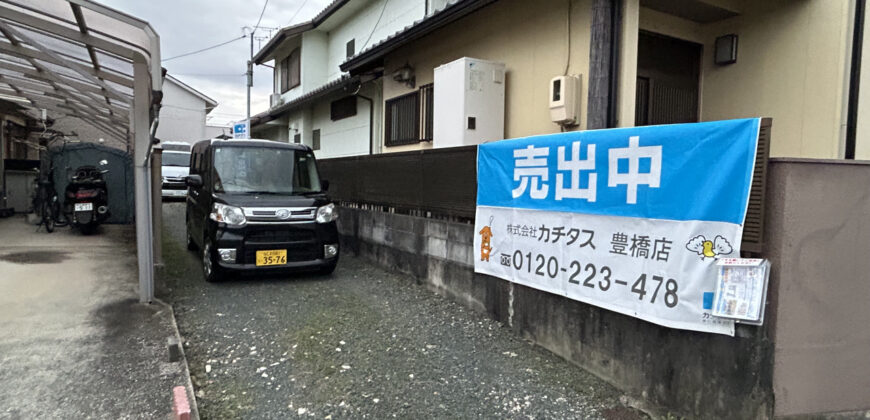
<point>361,343</point>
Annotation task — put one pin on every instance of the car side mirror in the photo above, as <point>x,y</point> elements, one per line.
<point>193,181</point>
<point>324,185</point>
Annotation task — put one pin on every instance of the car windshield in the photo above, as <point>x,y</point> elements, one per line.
<point>176,159</point>
<point>264,170</point>
<point>175,147</point>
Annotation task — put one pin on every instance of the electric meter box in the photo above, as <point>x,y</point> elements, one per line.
<point>468,102</point>
<point>565,100</point>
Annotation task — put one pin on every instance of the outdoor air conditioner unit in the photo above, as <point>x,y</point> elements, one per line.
<point>468,103</point>
<point>275,99</point>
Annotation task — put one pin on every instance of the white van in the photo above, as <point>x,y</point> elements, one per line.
<point>176,166</point>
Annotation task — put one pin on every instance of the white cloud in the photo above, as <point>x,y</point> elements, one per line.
<point>189,25</point>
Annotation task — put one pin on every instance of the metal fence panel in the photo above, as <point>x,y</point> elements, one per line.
<point>443,183</point>
<point>439,181</point>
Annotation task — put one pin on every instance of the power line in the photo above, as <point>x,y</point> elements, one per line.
<point>261,17</point>
<point>376,25</point>
<point>204,49</point>
<point>297,11</point>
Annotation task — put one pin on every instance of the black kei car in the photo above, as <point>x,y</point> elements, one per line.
<point>259,206</point>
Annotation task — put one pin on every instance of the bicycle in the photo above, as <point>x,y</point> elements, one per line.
<point>46,204</point>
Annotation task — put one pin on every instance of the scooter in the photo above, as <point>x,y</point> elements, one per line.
<point>87,198</point>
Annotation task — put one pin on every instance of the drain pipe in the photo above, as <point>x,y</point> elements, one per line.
<point>855,79</point>
<point>371,120</point>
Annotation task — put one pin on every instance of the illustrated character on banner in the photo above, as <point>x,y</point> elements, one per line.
<point>485,241</point>
<point>709,249</point>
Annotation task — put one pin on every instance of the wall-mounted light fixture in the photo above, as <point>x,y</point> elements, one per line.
<point>405,74</point>
<point>725,51</point>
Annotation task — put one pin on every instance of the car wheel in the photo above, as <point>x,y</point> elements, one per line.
<point>210,268</point>
<point>191,245</point>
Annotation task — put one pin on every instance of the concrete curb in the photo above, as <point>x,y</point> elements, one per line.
<point>194,411</point>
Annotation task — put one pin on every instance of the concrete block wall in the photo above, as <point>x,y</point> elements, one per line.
<point>817,231</point>
<point>688,373</point>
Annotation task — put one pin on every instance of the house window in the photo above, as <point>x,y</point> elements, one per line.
<point>350,48</point>
<point>315,139</point>
<point>282,70</point>
<point>297,138</point>
<point>402,125</point>
<point>290,71</point>
<point>427,105</point>
<point>342,108</point>
<point>409,118</point>
<point>19,148</point>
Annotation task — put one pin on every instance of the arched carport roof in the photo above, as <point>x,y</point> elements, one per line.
<point>80,59</point>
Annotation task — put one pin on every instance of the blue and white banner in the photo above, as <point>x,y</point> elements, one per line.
<point>631,219</point>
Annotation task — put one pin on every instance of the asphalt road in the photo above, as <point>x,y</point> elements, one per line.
<point>361,343</point>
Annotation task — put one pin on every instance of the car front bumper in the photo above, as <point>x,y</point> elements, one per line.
<point>174,193</point>
<point>303,242</point>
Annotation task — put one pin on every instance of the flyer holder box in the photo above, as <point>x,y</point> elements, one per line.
<point>741,289</point>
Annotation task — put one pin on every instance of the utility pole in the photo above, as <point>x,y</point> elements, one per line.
<point>250,74</point>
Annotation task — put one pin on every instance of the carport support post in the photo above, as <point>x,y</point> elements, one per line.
<point>156,203</point>
<point>140,119</point>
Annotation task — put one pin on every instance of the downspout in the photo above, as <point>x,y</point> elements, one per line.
<point>156,104</point>
<point>151,133</point>
<point>371,120</point>
<point>855,79</point>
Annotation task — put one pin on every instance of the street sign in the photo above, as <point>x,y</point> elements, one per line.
<point>632,220</point>
<point>241,130</point>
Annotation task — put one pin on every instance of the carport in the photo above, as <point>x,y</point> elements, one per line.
<point>79,59</point>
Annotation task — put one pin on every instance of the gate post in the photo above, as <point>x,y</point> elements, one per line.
<point>142,144</point>
<point>157,203</point>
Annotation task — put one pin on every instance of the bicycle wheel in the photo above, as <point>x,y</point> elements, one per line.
<point>59,218</point>
<point>39,206</point>
<point>48,217</point>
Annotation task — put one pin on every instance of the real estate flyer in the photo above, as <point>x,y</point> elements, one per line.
<point>740,289</point>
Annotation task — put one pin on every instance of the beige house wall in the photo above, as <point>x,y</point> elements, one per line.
<point>531,39</point>
<point>792,64</point>
<point>792,60</point>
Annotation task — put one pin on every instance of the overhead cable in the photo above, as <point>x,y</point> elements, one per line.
<point>261,17</point>
<point>205,49</point>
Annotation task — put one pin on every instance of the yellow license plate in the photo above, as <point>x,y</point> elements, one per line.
<point>272,257</point>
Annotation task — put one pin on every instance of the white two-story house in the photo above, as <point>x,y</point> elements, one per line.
<point>313,101</point>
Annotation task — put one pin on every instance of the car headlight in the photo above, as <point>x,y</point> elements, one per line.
<point>327,213</point>
<point>230,215</point>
